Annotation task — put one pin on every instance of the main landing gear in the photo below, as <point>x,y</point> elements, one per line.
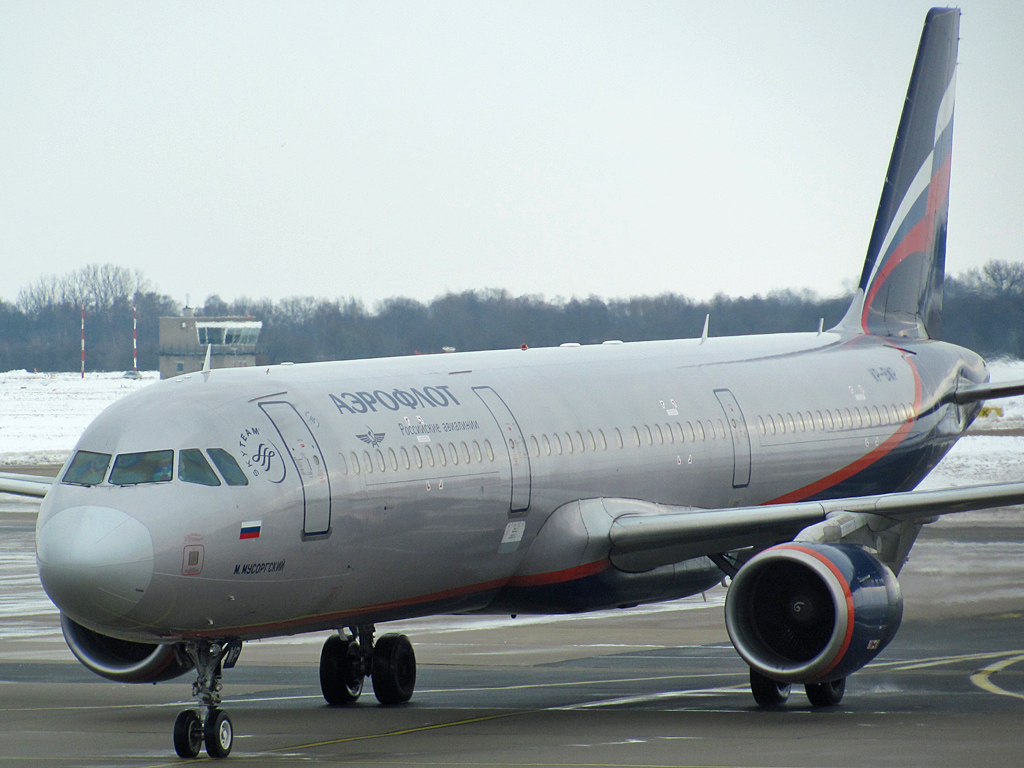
<point>772,693</point>
<point>210,726</point>
<point>348,659</point>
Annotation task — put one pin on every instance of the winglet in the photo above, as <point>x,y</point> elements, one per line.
<point>704,333</point>
<point>206,362</point>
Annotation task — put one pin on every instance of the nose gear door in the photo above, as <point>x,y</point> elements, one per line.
<point>308,462</point>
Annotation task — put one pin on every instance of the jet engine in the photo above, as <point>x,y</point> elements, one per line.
<point>123,661</point>
<point>812,613</point>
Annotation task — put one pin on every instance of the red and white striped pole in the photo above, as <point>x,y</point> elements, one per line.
<point>135,339</point>
<point>83,341</point>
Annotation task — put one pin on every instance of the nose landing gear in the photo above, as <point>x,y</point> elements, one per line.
<point>347,660</point>
<point>191,729</point>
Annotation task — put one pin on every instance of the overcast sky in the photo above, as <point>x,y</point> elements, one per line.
<point>375,149</point>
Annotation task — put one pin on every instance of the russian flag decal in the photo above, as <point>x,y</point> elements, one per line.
<point>250,529</point>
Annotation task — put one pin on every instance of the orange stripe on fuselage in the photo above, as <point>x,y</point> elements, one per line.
<point>800,494</point>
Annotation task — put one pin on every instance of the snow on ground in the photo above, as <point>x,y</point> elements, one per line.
<point>1012,407</point>
<point>42,415</point>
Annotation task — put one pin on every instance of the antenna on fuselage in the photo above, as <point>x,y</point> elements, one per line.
<point>206,362</point>
<point>704,333</point>
<point>821,325</point>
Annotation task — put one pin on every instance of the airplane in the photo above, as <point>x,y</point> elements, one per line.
<point>235,504</point>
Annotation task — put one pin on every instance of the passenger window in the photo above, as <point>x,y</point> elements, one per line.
<point>368,462</point>
<point>849,419</point>
<point>534,445</point>
<point>648,435</point>
<point>782,424</point>
<point>579,443</point>
<point>602,440</point>
<point>878,416</point>
<point>476,451</point>
<point>344,464</point>
<point>465,452</point>
<point>380,460</point>
<point>679,432</point>
<point>820,419</point>
<point>417,457</point>
<point>568,443</point>
<point>547,445</point>
<point>591,441</point>
<point>792,424</point>
<point>194,468</point>
<point>453,454</point>
<point>489,449</point>
<point>429,454</point>
<point>668,434</point>
<point>810,421</point>
<point>558,443</point>
<point>689,428</point>
<point>393,459</point>
<point>441,458</point>
<point>659,434</point>
<point>354,460</point>
<point>87,468</point>
<point>147,467</point>
<point>618,438</point>
<point>760,425</point>
<point>636,437</point>
<point>405,458</point>
<point>721,429</point>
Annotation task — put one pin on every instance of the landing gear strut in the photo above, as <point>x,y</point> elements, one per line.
<point>348,659</point>
<point>210,726</point>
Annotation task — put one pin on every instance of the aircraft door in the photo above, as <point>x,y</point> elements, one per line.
<point>740,438</point>
<point>308,462</point>
<point>518,456</point>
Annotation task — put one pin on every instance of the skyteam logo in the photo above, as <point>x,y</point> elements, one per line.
<point>372,438</point>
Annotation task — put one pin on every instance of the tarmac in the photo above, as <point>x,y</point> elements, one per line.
<point>651,686</point>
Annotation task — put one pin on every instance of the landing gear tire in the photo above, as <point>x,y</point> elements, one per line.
<point>341,670</point>
<point>219,734</point>
<point>768,692</point>
<point>826,694</point>
<point>188,734</point>
<point>393,669</point>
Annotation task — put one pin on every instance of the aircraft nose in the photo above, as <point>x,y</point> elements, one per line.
<point>95,562</point>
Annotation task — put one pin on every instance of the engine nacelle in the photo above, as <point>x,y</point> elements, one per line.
<point>812,613</point>
<point>123,661</point>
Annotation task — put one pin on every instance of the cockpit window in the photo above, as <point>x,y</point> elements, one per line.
<point>87,468</point>
<point>148,467</point>
<point>194,468</point>
<point>228,466</point>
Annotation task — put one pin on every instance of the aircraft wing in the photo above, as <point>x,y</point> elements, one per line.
<point>989,391</point>
<point>645,535</point>
<point>25,485</point>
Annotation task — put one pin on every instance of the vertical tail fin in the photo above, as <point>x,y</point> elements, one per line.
<point>900,290</point>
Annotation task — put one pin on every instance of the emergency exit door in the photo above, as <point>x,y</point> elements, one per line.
<point>740,438</point>
<point>308,462</point>
<point>518,456</point>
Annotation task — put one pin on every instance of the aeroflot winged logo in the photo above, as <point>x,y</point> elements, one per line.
<point>372,438</point>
